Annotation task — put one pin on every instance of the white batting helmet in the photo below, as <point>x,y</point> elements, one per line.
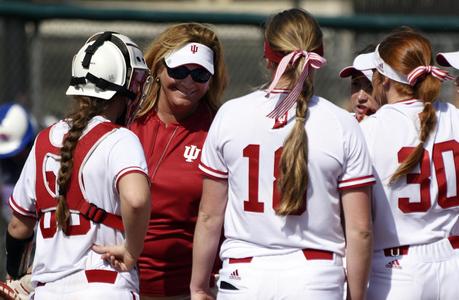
<point>109,63</point>
<point>16,130</point>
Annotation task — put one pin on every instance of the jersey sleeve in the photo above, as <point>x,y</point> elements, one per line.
<point>126,157</point>
<point>212,162</point>
<point>358,169</point>
<point>23,199</point>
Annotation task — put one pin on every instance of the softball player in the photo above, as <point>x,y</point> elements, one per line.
<point>362,102</point>
<point>85,184</point>
<point>413,141</point>
<point>278,165</point>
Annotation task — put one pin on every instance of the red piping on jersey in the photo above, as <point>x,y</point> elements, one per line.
<point>406,101</point>
<point>355,179</point>
<point>19,209</point>
<point>74,196</point>
<point>118,178</point>
<point>213,170</point>
<point>356,185</point>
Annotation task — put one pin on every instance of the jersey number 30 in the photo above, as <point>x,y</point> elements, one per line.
<point>440,151</point>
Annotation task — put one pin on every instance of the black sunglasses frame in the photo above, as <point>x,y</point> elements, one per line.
<point>199,75</point>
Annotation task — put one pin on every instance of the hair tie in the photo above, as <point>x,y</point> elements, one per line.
<point>422,71</point>
<point>312,59</point>
<point>300,119</point>
<point>276,57</point>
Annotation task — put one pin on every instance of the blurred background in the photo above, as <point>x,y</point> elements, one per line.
<point>39,39</point>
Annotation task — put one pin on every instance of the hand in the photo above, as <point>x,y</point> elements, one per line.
<point>117,256</point>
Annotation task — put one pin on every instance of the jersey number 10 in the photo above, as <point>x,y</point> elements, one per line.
<point>423,177</point>
<point>253,204</point>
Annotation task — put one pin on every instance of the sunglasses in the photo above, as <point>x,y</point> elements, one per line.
<point>200,75</point>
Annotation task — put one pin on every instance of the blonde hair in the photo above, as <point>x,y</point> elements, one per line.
<point>175,37</point>
<point>291,30</point>
<point>78,119</point>
<point>404,51</point>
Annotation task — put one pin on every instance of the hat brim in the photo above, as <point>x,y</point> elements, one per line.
<point>365,61</point>
<point>448,59</point>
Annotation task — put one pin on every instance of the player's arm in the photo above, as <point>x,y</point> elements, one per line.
<point>19,238</point>
<point>207,235</point>
<point>134,192</point>
<point>359,239</point>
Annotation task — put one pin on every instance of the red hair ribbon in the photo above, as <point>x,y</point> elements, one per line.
<point>312,59</point>
<point>276,57</point>
<point>424,70</point>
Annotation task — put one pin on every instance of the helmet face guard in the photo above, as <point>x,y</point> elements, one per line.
<point>140,83</point>
<point>109,63</point>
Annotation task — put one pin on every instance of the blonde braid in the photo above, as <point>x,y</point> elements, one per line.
<point>88,108</point>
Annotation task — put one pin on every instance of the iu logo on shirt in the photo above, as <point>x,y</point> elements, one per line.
<point>281,121</point>
<point>194,49</point>
<point>191,153</point>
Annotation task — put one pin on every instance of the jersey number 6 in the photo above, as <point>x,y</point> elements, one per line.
<point>440,151</point>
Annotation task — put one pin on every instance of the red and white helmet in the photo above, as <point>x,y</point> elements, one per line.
<point>109,63</point>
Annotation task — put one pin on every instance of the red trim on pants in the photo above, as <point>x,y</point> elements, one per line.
<point>403,250</point>
<point>309,254</point>
<point>102,276</point>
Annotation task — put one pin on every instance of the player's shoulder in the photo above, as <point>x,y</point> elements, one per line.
<point>239,103</point>
<point>331,111</point>
<point>240,106</point>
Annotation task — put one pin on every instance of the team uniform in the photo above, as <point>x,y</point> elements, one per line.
<point>64,265</point>
<point>172,153</point>
<point>263,252</point>
<point>415,250</point>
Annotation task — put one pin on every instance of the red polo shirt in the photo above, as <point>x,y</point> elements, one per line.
<point>172,153</point>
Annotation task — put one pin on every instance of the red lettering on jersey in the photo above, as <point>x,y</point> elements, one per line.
<point>253,204</point>
<point>439,149</point>
<point>252,152</point>
<point>423,178</point>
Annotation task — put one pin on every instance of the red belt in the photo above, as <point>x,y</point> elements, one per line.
<point>103,276</point>
<point>309,254</point>
<point>403,250</point>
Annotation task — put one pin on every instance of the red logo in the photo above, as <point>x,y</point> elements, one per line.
<point>194,49</point>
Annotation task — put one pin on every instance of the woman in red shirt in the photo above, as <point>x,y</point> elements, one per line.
<point>186,63</point>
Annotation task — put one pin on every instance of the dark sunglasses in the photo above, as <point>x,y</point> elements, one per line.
<point>200,75</point>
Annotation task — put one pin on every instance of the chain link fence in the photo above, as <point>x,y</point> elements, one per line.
<point>50,46</point>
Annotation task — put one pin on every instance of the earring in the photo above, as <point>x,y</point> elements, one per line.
<point>157,79</point>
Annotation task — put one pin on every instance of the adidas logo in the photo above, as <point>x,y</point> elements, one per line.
<point>395,264</point>
<point>235,275</point>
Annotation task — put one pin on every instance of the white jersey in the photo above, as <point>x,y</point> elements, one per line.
<point>57,255</point>
<point>243,147</point>
<point>423,206</point>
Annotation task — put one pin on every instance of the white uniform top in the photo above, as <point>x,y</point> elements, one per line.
<point>117,154</point>
<point>242,136</point>
<point>424,213</point>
